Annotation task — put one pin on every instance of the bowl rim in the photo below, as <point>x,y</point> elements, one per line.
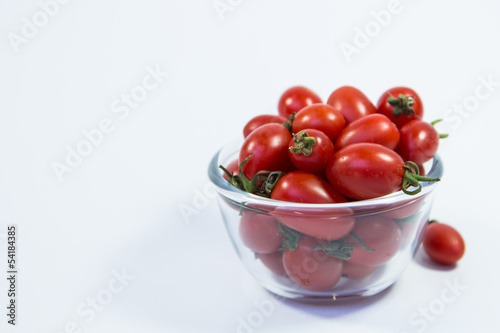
<point>225,188</point>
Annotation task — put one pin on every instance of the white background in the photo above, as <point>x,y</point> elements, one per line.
<point>119,209</point>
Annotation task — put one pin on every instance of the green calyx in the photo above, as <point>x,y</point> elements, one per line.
<point>341,248</point>
<point>303,143</point>
<point>402,105</point>
<point>412,178</point>
<point>240,181</point>
<point>289,121</point>
<point>441,136</point>
<point>291,238</point>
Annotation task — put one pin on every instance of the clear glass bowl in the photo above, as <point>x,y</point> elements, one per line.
<point>393,225</point>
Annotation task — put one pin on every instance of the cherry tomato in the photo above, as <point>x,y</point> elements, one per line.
<point>351,102</point>
<point>299,186</point>
<point>404,111</point>
<point>375,128</point>
<point>309,150</point>
<point>260,232</point>
<point>274,262</point>
<point>258,121</point>
<point>295,99</point>
<point>310,269</point>
<point>419,141</point>
<point>365,170</point>
<point>321,117</point>
<point>304,187</point>
<point>356,272</point>
<point>268,145</point>
<point>443,243</point>
<point>380,234</point>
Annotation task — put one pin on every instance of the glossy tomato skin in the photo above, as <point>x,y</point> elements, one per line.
<point>365,171</point>
<point>356,272</point>
<point>351,102</point>
<point>374,128</point>
<point>380,234</point>
<point>260,120</point>
<point>274,262</point>
<point>304,187</point>
<point>268,145</point>
<point>321,117</point>
<point>419,141</point>
<point>387,109</point>
<point>260,232</point>
<point>295,99</point>
<point>443,243</point>
<point>321,153</point>
<point>310,269</point>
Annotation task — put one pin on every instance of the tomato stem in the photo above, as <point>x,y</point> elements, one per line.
<point>288,123</point>
<point>441,136</point>
<point>339,248</point>
<point>402,104</point>
<point>411,177</point>
<point>303,143</point>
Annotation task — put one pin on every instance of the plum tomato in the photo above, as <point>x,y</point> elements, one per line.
<point>274,262</point>
<point>380,234</point>
<point>304,187</point>
<point>268,147</point>
<point>401,105</point>
<point>443,243</point>
<point>309,150</point>
<point>419,141</point>
<point>375,128</point>
<point>260,120</point>
<point>356,272</point>
<point>295,99</point>
<point>260,232</point>
<point>321,117</point>
<point>351,102</point>
<point>312,269</point>
<point>368,170</point>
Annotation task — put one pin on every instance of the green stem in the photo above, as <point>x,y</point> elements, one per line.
<point>411,177</point>
<point>402,105</point>
<point>441,136</point>
<point>288,123</point>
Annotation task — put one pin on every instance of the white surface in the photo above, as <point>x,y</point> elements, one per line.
<point>119,209</point>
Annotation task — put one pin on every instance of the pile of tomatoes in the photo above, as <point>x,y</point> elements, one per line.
<point>344,150</point>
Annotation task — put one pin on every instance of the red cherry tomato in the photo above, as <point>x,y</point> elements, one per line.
<point>365,170</point>
<point>274,262</point>
<point>321,117</point>
<point>405,112</point>
<point>380,234</point>
<point>304,187</point>
<point>309,150</point>
<point>356,272</point>
<point>310,269</point>
<point>268,145</point>
<point>419,141</point>
<point>260,232</point>
<point>258,121</point>
<point>443,243</point>
<point>375,128</point>
<point>295,99</point>
<point>351,102</point>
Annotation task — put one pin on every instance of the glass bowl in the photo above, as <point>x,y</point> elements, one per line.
<point>383,235</point>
